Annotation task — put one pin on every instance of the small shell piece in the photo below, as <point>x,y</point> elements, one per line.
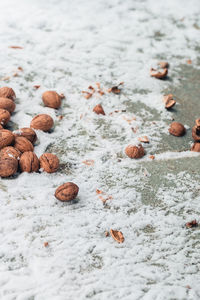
<point>157,74</point>
<point>117,236</point>
<point>98,109</point>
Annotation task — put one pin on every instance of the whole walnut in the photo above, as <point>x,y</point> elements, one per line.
<point>135,151</point>
<point>177,129</point>
<point>42,122</point>
<point>8,166</point>
<point>67,191</point>
<point>22,144</point>
<point>98,109</point>
<point>51,99</point>
<point>10,151</point>
<point>7,92</point>
<point>8,104</point>
<point>6,138</point>
<point>49,162</point>
<point>4,116</point>
<point>28,133</point>
<point>29,162</point>
<point>195,147</point>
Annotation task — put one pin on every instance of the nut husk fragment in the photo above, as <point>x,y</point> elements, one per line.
<point>134,151</point>
<point>7,92</point>
<point>28,133</point>
<point>98,109</point>
<point>191,224</point>
<point>8,166</point>
<point>67,191</point>
<point>6,138</point>
<point>29,162</point>
<point>49,162</point>
<point>8,104</point>
<point>158,74</point>
<point>143,139</point>
<point>22,144</point>
<point>163,64</point>
<point>42,122</point>
<point>117,236</point>
<point>195,147</point>
<point>10,151</point>
<point>169,101</point>
<point>51,99</point>
<point>177,129</point>
<point>4,116</point>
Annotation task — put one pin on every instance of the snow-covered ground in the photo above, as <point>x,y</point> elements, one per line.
<point>67,46</point>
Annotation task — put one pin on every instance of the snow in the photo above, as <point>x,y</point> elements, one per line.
<point>67,46</point>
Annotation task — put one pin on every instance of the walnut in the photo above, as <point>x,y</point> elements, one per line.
<point>22,144</point>
<point>134,151</point>
<point>10,151</point>
<point>98,109</point>
<point>42,122</point>
<point>8,166</point>
<point>67,191</point>
<point>51,99</point>
<point>6,138</point>
<point>29,162</point>
<point>4,116</point>
<point>8,104</point>
<point>7,92</point>
<point>49,162</point>
<point>177,129</point>
<point>26,132</point>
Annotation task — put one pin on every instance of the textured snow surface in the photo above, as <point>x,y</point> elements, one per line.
<point>67,46</point>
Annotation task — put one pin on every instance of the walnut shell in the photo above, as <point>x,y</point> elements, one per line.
<point>163,64</point>
<point>134,151</point>
<point>28,133</point>
<point>67,191</point>
<point>42,122</point>
<point>51,99</point>
<point>98,109</point>
<point>6,138</point>
<point>158,74</point>
<point>4,116</point>
<point>177,129</point>
<point>195,147</point>
<point>49,162</point>
<point>29,162</point>
<point>117,235</point>
<point>196,133</point>
<point>22,144</point>
<point>8,167</point>
<point>7,92</point>
<point>8,104</point>
<point>10,151</point>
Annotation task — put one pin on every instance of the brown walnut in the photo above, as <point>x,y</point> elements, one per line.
<point>4,116</point>
<point>67,191</point>
<point>134,151</point>
<point>7,92</point>
<point>49,162</point>
<point>98,109</point>
<point>177,129</point>
<point>8,104</point>
<point>10,151</point>
<point>42,122</point>
<point>28,133</point>
<point>51,99</point>
<point>29,162</point>
<point>6,138</point>
<point>22,144</point>
<point>8,166</point>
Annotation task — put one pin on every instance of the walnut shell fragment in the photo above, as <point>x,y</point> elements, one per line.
<point>98,109</point>
<point>163,64</point>
<point>29,162</point>
<point>51,99</point>
<point>4,116</point>
<point>191,224</point>
<point>157,74</point>
<point>117,236</point>
<point>42,122</point>
<point>143,139</point>
<point>7,92</point>
<point>26,132</point>
<point>196,131</point>
<point>6,138</point>
<point>195,147</point>
<point>49,162</point>
<point>8,167</point>
<point>10,151</point>
<point>22,144</point>
<point>169,101</point>
<point>134,151</point>
<point>67,191</point>
<point>8,104</point>
<point>177,129</point>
